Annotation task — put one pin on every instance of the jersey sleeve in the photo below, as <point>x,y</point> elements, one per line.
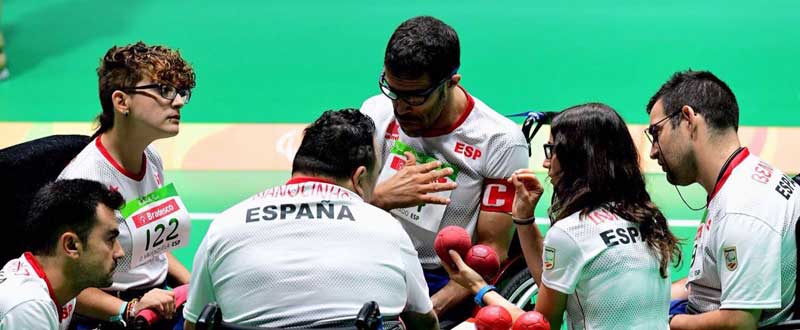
<point>563,261</point>
<point>505,157</point>
<point>417,288</point>
<point>748,263</point>
<point>32,314</point>
<point>201,289</point>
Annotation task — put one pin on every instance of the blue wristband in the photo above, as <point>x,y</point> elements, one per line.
<point>482,292</point>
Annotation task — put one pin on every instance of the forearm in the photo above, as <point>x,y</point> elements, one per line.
<point>717,320</point>
<point>531,243</point>
<point>494,298</point>
<point>98,304</point>
<point>176,271</point>
<point>448,297</point>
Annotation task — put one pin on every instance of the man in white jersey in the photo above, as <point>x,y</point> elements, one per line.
<point>310,253</point>
<point>743,269</point>
<point>423,115</point>
<point>71,236</point>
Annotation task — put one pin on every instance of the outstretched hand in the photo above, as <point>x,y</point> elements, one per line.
<point>463,274</point>
<point>411,185</point>
<point>529,191</point>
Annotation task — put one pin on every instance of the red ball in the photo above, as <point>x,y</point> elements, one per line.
<point>483,260</point>
<point>531,321</point>
<point>493,317</point>
<point>452,238</point>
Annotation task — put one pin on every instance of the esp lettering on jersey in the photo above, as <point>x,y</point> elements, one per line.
<point>467,150</point>
<point>304,211</point>
<point>619,236</point>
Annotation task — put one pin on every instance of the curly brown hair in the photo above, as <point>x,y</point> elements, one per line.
<point>125,66</point>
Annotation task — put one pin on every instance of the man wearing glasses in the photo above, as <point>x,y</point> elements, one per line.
<point>447,155</point>
<point>742,273</point>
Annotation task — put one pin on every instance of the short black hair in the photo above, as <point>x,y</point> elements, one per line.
<point>423,45</point>
<point>336,144</point>
<point>62,206</point>
<point>705,93</point>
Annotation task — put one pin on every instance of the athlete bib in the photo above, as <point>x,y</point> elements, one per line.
<point>426,216</point>
<point>158,222</point>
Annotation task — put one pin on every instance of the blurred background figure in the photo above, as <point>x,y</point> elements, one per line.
<point>3,68</point>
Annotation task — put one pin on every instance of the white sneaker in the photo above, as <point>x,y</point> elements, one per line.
<point>4,74</point>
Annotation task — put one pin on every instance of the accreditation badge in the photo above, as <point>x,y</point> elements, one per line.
<point>426,216</point>
<point>159,222</point>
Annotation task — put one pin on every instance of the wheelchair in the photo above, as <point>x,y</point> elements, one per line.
<point>24,169</point>
<point>368,318</point>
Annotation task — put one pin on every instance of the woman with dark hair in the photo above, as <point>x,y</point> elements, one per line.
<point>606,258</point>
<point>142,90</point>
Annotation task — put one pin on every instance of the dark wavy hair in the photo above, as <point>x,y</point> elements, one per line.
<point>125,66</point>
<point>600,169</point>
<point>336,144</point>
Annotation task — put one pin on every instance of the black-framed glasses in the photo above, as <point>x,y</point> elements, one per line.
<point>413,98</point>
<point>166,91</point>
<point>548,150</point>
<point>652,130</point>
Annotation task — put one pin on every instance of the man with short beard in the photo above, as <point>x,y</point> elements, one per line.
<point>71,236</point>
<point>441,145</point>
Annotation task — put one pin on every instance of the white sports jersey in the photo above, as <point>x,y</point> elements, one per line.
<point>27,300</point>
<point>744,254</point>
<point>305,254</point>
<point>610,274</point>
<point>484,148</point>
<point>95,163</point>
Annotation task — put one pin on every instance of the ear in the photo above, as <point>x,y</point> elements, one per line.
<point>691,117</point>
<point>454,80</point>
<point>120,101</point>
<point>70,244</point>
<point>358,178</point>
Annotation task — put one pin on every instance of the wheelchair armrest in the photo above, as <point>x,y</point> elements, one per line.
<point>785,325</point>
<point>209,318</point>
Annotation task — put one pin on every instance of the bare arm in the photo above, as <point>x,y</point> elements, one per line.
<point>551,304</point>
<point>414,320</point>
<point>725,319</point>
<point>494,230</point>
<point>100,305</point>
<point>176,271</point>
<point>411,185</point>
<point>473,282</point>
<point>528,193</point>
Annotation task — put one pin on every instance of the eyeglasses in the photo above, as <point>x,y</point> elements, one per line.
<point>413,98</point>
<point>166,91</point>
<point>548,150</point>
<point>652,131</point>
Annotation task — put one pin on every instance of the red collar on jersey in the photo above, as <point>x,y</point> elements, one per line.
<point>133,176</point>
<point>304,179</point>
<point>39,271</point>
<point>457,123</point>
<point>736,159</point>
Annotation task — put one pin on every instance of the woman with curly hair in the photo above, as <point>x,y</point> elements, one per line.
<point>606,257</point>
<point>142,90</point>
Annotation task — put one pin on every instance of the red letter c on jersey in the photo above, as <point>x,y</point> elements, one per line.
<point>498,195</point>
